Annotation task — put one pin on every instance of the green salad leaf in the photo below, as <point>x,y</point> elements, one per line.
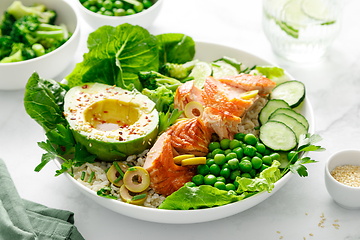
<point>175,48</point>
<point>275,74</point>
<point>204,196</point>
<point>116,55</point>
<point>44,100</point>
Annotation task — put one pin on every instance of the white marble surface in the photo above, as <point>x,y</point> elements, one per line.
<point>294,212</point>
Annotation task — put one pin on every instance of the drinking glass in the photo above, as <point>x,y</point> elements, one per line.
<point>301,30</point>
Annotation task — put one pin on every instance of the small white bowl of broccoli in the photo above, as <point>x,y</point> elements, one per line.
<point>35,35</point>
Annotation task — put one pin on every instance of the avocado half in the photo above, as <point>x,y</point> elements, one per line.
<point>111,122</point>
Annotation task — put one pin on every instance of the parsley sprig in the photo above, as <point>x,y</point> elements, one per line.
<point>167,119</point>
<point>61,143</point>
<point>306,144</point>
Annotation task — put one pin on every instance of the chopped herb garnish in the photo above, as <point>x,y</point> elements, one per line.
<point>91,177</point>
<point>137,197</point>
<point>106,193</point>
<point>131,169</point>
<point>118,179</point>
<point>83,176</point>
<point>119,170</point>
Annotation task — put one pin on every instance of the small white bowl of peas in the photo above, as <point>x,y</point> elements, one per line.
<point>98,13</point>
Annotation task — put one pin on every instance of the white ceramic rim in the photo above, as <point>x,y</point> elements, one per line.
<point>76,32</point>
<point>128,17</point>
<point>194,216</point>
<point>327,169</point>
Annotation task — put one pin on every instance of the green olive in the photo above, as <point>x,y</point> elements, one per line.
<point>128,197</point>
<point>136,179</point>
<point>193,109</point>
<point>113,174</point>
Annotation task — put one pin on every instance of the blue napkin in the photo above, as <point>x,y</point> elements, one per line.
<point>23,219</point>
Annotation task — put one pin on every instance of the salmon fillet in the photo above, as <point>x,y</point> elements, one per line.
<point>165,176</point>
<point>186,93</point>
<point>190,137</point>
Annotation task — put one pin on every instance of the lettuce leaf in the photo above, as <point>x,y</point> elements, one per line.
<point>175,48</point>
<point>265,181</point>
<point>116,55</point>
<point>44,100</point>
<point>275,74</point>
<point>203,196</point>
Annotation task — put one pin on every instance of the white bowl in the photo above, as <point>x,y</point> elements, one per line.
<point>144,18</point>
<point>15,75</point>
<point>344,195</point>
<point>206,52</point>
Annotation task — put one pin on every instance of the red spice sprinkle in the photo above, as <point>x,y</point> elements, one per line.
<point>72,118</point>
<point>81,93</point>
<point>79,99</point>
<point>85,86</point>
<point>105,111</point>
<point>146,117</point>
<point>120,133</point>
<point>120,138</point>
<point>149,120</point>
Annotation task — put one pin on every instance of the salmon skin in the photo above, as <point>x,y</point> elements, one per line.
<point>223,105</point>
<point>185,137</point>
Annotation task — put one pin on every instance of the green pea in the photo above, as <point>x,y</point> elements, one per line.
<point>234,174</point>
<point>99,3</point>
<point>82,1</point>
<point>213,146</point>
<point>239,136</point>
<point>230,186</point>
<point>259,155</point>
<point>260,147</point>
<point>225,172</point>
<point>253,173</point>
<point>250,151</point>
<point>256,162</point>
<point>224,143</point>
<point>250,139</point>
<point>208,156</point>
<point>234,144</point>
<point>220,185</point>
<point>220,179</point>
<point>190,184</point>
<point>107,4</point>
<point>118,4</point>
<point>210,162</point>
<point>93,2</point>
<point>239,152</point>
<point>226,165</point>
<point>233,164</point>
<point>267,152</point>
<point>227,151</point>
<point>216,151</point>
<point>203,169</point>
<point>246,175</point>
<point>209,179</point>
<point>215,169</point>
<point>231,155</point>
<point>267,160</point>
<point>108,13</point>
<point>246,158</point>
<point>147,3</point>
<point>219,159</point>
<point>292,156</point>
<point>198,179</point>
<point>86,4</point>
<point>245,166</point>
<point>138,7</point>
<point>263,167</point>
<point>275,156</point>
<point>93,9</point>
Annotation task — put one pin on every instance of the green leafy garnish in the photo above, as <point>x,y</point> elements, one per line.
<point>306,144</point>
<point>106,193</point>
<point>137,197</point>
<point>167,119</point>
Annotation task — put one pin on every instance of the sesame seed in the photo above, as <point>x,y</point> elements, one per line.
<point>347,174</point>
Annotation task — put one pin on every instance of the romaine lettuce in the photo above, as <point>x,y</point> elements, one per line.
<point>275,74</point>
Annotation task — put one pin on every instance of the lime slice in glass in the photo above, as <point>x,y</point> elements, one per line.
<point>294,15</point>
<point>221,69</point>
<point>200,72</point>
<point>316,9</point>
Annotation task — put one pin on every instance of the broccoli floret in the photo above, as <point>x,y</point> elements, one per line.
<point>7,21</point>
<point>152,80</point>
<point>18,10</point>
<point>19,52</point>
<point>178,71</point>
<point>162,97</point>
<point>5,46</point>
<point>24,28</point>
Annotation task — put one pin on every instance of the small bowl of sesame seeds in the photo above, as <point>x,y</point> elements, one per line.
<point>342,178</point>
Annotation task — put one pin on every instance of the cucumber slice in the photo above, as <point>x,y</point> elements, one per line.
<point>292,92</point>
<point>270,107</point>
<point>222,69</point>
<point>292,113</point>
<point>291,122</point>
<point>277,136</point>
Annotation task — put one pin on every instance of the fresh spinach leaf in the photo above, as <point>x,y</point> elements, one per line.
<point>44,101</point>
<point>175,48</point>
<point>116,55</point>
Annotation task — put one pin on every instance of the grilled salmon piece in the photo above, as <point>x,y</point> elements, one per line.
<point>190,136</point>
<point>226,98</point>
<point>249,82</point>
<point>186,93</point>
<point>224,124</point>
<point>165,176</point>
